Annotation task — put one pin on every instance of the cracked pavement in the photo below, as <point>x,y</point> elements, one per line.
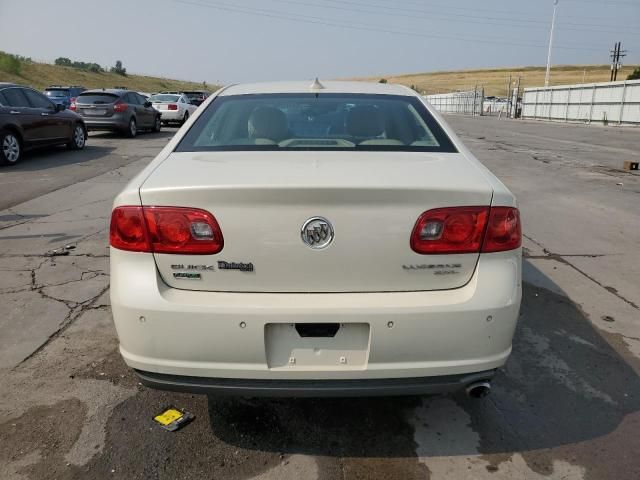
<point>566,406</point>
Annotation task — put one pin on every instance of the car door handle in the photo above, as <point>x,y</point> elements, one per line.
<point>44,114</point>
<point>14,112</point>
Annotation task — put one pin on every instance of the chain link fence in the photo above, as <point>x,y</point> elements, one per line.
<point>468,102</point>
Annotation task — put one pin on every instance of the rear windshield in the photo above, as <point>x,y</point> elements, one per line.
<point>164,98</point>
<point>57,92</point>
<point>308,121</point>
<point>97,98</point>
<point>194,94</point>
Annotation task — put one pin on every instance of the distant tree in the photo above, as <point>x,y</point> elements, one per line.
<point>10,63</point>
<point>635,75</point>
<point>119,69</point>
<point>64,61</point>
<point>23,59</point>
<point>382,80</point>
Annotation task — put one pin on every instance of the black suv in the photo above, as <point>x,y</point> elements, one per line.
<point>29,119</point>
<point>197,97</point>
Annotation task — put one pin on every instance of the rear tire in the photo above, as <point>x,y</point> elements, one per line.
<point>132,131</point>
<point>78,138</point>
<point>185,118</point>
<point>10,148</point>
<point>157,124</point>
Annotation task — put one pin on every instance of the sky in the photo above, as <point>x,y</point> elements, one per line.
<point>224,41</point>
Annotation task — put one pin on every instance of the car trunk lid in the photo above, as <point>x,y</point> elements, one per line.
<point>96,104</point>
<point>261,201</point>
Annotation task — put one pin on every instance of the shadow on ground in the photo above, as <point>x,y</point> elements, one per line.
<point>53,157</point>
<point>564,394</point>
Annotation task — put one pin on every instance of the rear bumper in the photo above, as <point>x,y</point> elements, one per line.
<point>115,122</point>
<point>171,115</point>
<point>223,335</point>
<point>312,388</point>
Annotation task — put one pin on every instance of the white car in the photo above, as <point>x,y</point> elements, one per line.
<point>297,240</point>
<point>174,108</point>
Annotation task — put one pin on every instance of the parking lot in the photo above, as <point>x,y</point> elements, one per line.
<point>567,405</point>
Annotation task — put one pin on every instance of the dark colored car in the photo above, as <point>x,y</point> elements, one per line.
<point>28,119</point>
<point>197,97</point>
<point>63,95</point>
<point>117,110</point>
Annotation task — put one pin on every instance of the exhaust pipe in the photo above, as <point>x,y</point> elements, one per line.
<point>478,389</point>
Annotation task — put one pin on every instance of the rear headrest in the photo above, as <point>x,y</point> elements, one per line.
<point>365,121</point>
<point>267,122</point>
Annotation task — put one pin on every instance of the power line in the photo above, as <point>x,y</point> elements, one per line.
<point>598,2</point>
<point>602,2</point>
<point>360,26</point>
<point>438,14</point>
<point>495,21</point>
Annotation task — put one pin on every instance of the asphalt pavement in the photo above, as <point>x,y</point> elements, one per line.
<point>566,406</point>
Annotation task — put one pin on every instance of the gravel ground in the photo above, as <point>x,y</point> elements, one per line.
<point>566,406</point>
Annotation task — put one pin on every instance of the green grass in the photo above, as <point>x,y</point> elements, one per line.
<point>41,75</point>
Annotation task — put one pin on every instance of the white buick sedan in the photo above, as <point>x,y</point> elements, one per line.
<point>330,239</point>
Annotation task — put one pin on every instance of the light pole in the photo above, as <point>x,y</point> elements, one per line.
<point>553,24</point>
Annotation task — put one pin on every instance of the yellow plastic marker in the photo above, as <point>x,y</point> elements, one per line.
<point>172,419</point>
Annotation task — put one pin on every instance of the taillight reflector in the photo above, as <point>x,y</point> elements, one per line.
<point>467,230</point>
<point>178,230</point>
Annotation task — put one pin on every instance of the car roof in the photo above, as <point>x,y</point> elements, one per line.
<point>9,84</point>
<point>328,87</point>
<point>115,91</point>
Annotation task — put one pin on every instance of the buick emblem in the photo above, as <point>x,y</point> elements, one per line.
<point>317,232</point>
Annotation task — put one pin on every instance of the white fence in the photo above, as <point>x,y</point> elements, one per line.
<point>469,103</point>
<point>612,102</point>
<point>497,106</point>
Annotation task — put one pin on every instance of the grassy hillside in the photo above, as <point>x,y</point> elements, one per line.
<point>495,80</point>
<point>41,75</point>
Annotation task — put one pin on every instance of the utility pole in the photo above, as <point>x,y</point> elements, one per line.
<point>616,54</point>
<point>509,94</point>
<point>517,98</point>
<point>614,59</point>
<point>553,25</point>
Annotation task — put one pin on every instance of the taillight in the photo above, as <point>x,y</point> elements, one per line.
<point>467,230</point>
<point>504,231</point>
<point>120,106</point>
<point>72,100</point>
<point>450,230</point>
<point>178,230</point>
<point>72,106</point>
<point>172,106</point>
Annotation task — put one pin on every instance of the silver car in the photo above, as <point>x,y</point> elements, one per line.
<point>118,110</point>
